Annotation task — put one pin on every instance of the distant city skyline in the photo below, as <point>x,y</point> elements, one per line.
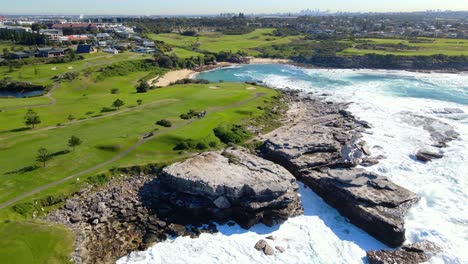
<point>188,7</point>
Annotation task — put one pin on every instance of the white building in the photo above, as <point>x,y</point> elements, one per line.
<point>111,51</point>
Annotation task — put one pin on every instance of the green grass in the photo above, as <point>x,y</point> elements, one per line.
<point>104,136</point>
<point>216,42</point>
<point>10,45</point>
<point>120,129</point>
<point>450,47</point>
<point>42,74</point>
<point>184,53</point>
<point>34,242</point>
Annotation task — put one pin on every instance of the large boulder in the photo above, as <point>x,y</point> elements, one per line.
<point>232,185</point>
<point>322,146</point>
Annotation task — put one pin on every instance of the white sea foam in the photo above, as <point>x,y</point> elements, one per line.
<point>322,235</point>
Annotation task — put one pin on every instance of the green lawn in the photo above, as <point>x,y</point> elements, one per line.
<point>216,42</point>
<point>104,136</point>
<point>451,47</point>
<point>42,74</point>
<point>9,45</point>
<point>30,242</point>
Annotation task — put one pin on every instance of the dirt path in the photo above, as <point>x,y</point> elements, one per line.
<point>121,155</point>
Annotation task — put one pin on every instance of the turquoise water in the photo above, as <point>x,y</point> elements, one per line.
<point>392,102</point>
<point>402,85</point>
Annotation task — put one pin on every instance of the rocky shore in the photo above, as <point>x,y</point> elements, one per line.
<point>320,144</point>
<point>184,200</point>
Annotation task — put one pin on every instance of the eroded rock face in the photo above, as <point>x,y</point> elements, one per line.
<point>232,184</point>
<point>410,254</point>
<point>322,146</point>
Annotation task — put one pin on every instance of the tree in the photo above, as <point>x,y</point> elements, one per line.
<point>74,142</point>
<point>139,101</point>
<point>43,156</point>
<point>31,118</point>
<point>143,87</point>
<point>118,103</point>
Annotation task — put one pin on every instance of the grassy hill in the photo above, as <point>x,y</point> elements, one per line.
<point>417,47</point>
<point>216,41</point>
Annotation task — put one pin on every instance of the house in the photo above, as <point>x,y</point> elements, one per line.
<point>50,52</point>
<point>81,26</point>
<point>144,50</point>
<point>21,55</point>
<point>84,48</point>
<point>111,51</point>
<point>53,34</point>
<point>102,36</point>
<point>148,44</point>
<point>77,37</point>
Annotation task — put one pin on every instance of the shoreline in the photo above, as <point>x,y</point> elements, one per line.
<point>176,75</point>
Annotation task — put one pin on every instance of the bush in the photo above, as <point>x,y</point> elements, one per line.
<point>107,109</point>
<point>191,113</point>
<point>115,91</point>
<point>232,134</point>
<point>143,87</point>
<point>201,146</point>
<point>190,81</point>
<point>164,123</point>
<point>190,144</point>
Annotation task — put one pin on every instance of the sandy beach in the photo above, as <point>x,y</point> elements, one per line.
<point>253,60</point>
<point>171,77</point>
<point>176,75</point>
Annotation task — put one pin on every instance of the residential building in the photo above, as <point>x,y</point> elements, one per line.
<point>111,51</point>
<point>85,48</point>
<point>50,52</point>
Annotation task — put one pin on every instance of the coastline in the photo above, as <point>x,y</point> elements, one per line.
<point>176,75</point>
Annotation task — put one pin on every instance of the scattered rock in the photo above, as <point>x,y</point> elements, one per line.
<point>262,245</point>
<point>280,249</point>
<point>410,254</point>
<point>427,155</point>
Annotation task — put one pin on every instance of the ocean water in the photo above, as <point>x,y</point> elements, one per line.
<point>388,100</point>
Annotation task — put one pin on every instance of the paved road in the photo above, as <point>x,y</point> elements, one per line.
<point>121,155</point>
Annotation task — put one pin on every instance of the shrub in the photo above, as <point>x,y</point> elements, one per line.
<point>201,146</point>
<point>191,113</point>
<point>164,123</point>
<point>107,109</point>
<point>232,134</point>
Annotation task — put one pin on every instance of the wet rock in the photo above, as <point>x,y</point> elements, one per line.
<point>322,148</point>
<point>262,245</point>
<point>419,252</point>
<point>440,133</point>
<point>280,249</point>
<point>427,155</point>
<point>222,202</point>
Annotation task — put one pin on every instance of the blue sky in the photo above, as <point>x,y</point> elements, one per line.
<point>148,7</point>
